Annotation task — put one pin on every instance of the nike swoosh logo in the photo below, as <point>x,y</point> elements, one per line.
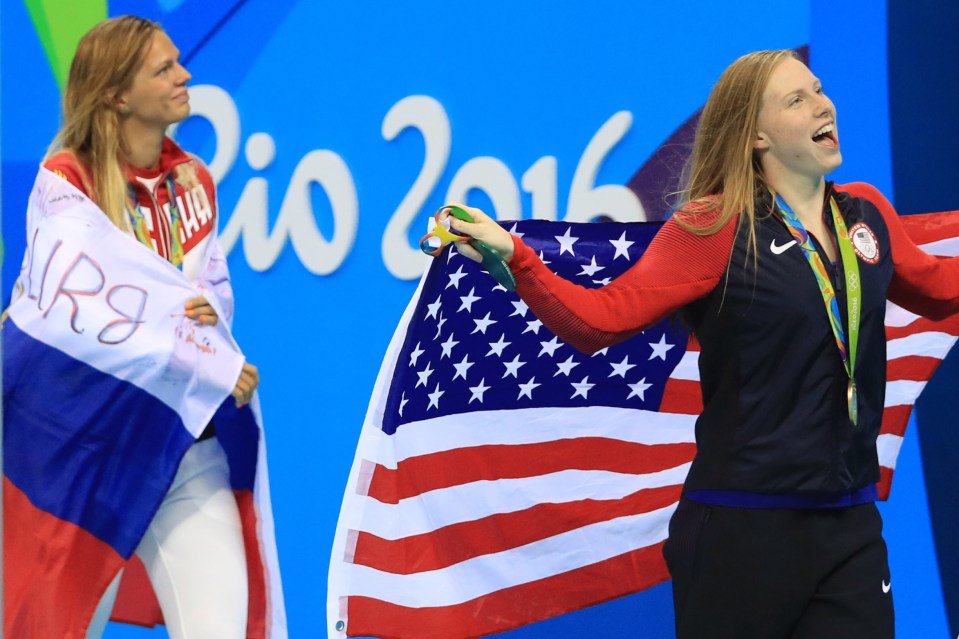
<point>777,249</point>
<point>886,587</point>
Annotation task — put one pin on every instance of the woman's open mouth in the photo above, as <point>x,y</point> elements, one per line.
<point>826,136</point>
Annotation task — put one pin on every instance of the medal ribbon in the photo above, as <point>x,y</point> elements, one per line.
<point>850,265</point>
<point>176,253</point>
<point>142,232</point>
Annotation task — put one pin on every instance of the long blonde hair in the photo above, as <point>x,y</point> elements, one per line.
<point>107,59</point>
<point>723,176</point>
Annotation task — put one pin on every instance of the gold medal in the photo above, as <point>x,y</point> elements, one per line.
<point>853,398</point>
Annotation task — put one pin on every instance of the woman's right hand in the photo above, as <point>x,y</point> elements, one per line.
<point>248,381</point>
<point>483,228</point>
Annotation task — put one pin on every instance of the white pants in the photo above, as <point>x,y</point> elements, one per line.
<point>193,552</point>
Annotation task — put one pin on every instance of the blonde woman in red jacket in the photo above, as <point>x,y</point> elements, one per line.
<point>125,88</point>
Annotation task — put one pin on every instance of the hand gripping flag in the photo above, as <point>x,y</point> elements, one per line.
<point>503,478</point>
<point>105,385</point>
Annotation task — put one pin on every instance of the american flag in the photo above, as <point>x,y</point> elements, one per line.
<point>914,345</point>
<point>502,477</point>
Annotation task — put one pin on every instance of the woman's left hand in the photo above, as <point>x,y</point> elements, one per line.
<point>200,310</point>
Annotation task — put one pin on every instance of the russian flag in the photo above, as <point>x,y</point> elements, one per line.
<point>106,384</point>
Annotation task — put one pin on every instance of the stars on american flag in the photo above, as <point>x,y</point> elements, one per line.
<point>466,302</point>
<point>439,326</point>
<point>497,347</point>
<point>592,268</point>
<point>546,348</point>
<point>456,277</point>
<point>474,345</point>
<point>582,388</point>
<point>415,354</point>
<point>526,390</point>
<point>448,346</point>
<point>622,368</point>
<point>435,398</point>
<point>638,389</point>
<point>622,246</point>
<point>483,324</point>
<point>533,326</point>
<point>566,242</point>
<point>521,308</point>
<point>512,368</point>
<point>476,392</point>
<point>424,375</point>
<point>564,368</point>
<point>462,367</point>
<point>434,308</point>
<point>660,349</point>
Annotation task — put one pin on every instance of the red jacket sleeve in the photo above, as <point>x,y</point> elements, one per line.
<point>924,284</point>
<point>67,166</point>
<point>677,268</point>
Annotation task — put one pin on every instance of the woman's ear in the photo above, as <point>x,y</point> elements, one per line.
<point>761,142</point>
<point>121,105</point>
<point>117,103</point>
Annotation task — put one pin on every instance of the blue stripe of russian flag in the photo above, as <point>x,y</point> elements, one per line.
<point>239,434</point>
<point>85,446</point>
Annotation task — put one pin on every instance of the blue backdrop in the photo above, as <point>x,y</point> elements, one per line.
<point>334,130</point>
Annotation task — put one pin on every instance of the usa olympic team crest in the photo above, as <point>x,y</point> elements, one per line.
<point>865,243</point>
